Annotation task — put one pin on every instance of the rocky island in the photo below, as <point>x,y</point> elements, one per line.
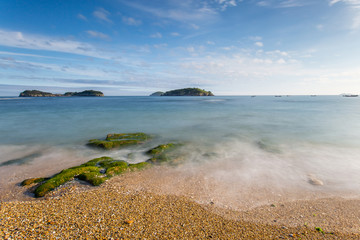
<point>184,92</point>
<point>37,93</point>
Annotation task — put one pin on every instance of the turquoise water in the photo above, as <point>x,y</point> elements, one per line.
<point>289,137</point>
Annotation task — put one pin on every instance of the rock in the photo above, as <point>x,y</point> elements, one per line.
<point>312,179</point>
<point>165,153</point>
<point>118,140</point>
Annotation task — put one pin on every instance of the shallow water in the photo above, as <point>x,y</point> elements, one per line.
<point>259,140</point>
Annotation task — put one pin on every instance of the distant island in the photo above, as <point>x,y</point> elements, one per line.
<point>37,93</point>
<point>184,92</point>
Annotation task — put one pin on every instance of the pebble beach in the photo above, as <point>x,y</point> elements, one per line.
<point>131,206</point>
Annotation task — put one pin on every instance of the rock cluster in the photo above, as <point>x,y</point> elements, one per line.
<point>98,170</point>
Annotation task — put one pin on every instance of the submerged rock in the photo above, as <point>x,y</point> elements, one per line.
<point>21,161</point>
<point>166,153</point>
<point>118,140</point>
<point>312,179</point>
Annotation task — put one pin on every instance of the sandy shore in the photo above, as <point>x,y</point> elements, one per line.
<point>158,204</point>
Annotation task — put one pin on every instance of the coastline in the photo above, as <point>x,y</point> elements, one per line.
<point>141,205</point>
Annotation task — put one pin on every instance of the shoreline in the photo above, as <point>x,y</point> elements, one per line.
<point>139,204</point>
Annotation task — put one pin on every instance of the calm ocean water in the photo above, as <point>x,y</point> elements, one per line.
<point>279,138</point>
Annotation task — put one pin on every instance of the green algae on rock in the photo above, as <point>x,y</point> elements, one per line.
<point>95,172</point>
<point>165,153</point>
<point>32,181</point>
<point>118,140</point>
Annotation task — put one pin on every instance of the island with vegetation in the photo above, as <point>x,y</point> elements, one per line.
<point>37,93</point>
<point>184,92</point>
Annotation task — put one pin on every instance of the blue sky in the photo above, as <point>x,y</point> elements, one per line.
<point>136,47</point>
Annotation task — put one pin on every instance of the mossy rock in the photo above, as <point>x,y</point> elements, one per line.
<point>61,178</point>
<point>95,172</point>
<point>116,170</point>
<point>139,166</point>
<point>166,153</point>
<point>94,178</point>
<point>118,140</point>
<point>32,181</point>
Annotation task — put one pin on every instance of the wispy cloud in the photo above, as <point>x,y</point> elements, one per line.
<point>156,35</point>
<point>36,42</point>
<point>259,44</point>
<point>283,3</point>
<point>102,15</point>
<point>189,11</point>
<point>175,34</point>
<point>96,34</point>
<point>224,4</point>
<point>131,21</point>
<point>354,6</point>
<point>82,17</point>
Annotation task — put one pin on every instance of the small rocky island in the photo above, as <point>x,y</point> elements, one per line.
<point>184,92</point>
<point>37,93</point>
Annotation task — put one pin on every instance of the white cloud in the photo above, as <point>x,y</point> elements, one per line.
<point>320,27</point>
<point>176,10</point>
<point>194,26</point>
<point>96,34</point>
<point>224,4</point>
<point>102,15</point>
<point>82,17</point>
<point>284,3</point>
<point>156,35</point>
<point>27,41</point>
<point>354,7</point>
<point>175,34</point>
<point>210,43</point>
<point>131,21</point>
<point>259,44</point>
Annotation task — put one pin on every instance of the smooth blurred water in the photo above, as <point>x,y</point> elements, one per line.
<point>294,134</point>
<point>322,119</point>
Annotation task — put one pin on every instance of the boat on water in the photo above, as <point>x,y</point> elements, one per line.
<point>350,95</point>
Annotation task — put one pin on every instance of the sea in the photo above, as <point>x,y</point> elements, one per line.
<point>290,142</point>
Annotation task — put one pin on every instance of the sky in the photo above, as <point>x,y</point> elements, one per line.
<point>136,47</point>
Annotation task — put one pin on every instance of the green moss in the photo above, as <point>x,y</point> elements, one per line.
<point>117,140</point>
<point>139,166</point>
<point>94,178</point>
<point>97,161</point>
<point>32,181</point>
<point>113,171</point>
<point>127,136</point>
<point>165,153</point>
<point>161,149</point>
<point>61,178</point>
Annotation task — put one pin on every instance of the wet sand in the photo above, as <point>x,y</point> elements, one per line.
<point>167,203</point>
